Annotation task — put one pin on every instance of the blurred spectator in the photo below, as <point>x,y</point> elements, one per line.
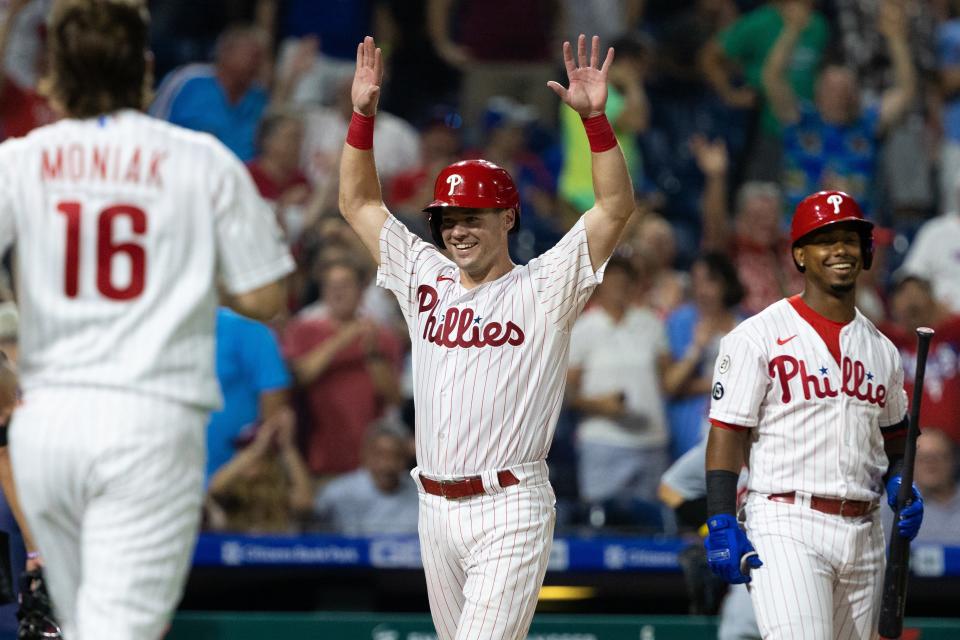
<point>609,19</point>
<point>948,58</point>
<point>618,352</point>
<point>22,108</point>
<point>265,487</point>
<point>396,143</point>
<point>832,143</point>
<point>276,170</point>
<point>935,474</point>
<point>907,172</point>
<point>754,239</point>
<point>25,57</point>
<point>403,35</point>
<point>185,31</point>
<point>347,367</point>
<point>506,125</point>
<point>694,331</point>
<point>912,305</point>
<point>440,145</point>
<point>223,98</point>
<point>628,110</point>
<point>337,27</point>
<point>745,45</point>
<point>684,489</point>
<point>501,48</point>
<point>378,498</point>
<point>653,249</point>
<point>682,105</point>
<point>9,330</point>
<point>253,381</point>
<point>935,256</point>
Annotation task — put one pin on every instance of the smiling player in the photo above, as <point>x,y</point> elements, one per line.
<point>814,394</point>
<point>490,343</point>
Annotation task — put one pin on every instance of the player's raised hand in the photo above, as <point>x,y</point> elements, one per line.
<point>367,77</point>
<point>587,90</point>
<point>711,156</point>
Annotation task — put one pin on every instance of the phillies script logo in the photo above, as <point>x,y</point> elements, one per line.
<point>460,327</point>
<point>857,381</point>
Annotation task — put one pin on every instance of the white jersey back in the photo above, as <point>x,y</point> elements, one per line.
<point>489,363</point>
<point>123,224</point>
<point>817,422</point>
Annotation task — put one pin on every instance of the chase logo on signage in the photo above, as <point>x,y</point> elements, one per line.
<point>395,553</point>
<point>231,554</point>
<point>559,556</point>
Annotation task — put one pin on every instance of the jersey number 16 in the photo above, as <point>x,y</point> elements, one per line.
<point>106,250</point>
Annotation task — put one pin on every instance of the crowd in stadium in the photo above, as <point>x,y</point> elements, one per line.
<point>728,112</point>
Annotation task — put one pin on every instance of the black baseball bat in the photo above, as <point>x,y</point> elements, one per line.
<point>895,579</point>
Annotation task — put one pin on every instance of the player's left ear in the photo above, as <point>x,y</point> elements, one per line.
<point>799,258</point>
<point>508,219</point>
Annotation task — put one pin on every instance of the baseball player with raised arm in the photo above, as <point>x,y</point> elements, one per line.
<point>812,393</point>
<point>124,225</point>
<point>490,341</point>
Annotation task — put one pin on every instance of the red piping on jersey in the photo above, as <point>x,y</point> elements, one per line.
<point>728,427</point>
<point>828,330</point>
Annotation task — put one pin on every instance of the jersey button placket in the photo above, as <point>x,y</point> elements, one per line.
<point>844,441</point>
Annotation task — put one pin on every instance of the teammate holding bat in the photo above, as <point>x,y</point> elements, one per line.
<point>811,393</point>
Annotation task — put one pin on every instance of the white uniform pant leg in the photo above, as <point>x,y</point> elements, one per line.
<point>860,582</point>
<point>511,537</point>
<point>792,592</point>
<point>47,461</point>
<point>442,564</point>
<point>137,463</point>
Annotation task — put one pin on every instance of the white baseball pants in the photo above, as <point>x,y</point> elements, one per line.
<point>485,556</point>
<point>822,574</point>
<point>111,483</point>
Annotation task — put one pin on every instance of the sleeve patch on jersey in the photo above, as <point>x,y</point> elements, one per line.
<point>724,365</point>
<point>717,391</point>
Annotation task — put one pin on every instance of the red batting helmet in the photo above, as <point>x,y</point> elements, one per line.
<point>472,184</point>
<point>831,207</point>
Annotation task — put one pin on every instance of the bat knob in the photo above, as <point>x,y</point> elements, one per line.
<point>745,562</point>
<point>925,332</point>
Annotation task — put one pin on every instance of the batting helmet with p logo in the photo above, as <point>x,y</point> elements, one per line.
<point>472,184</point>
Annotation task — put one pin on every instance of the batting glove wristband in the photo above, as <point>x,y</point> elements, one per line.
<point>911,516</point>
<point>726,546</point>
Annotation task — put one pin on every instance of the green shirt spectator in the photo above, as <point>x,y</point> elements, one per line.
<point>576,178</point>
<point>749,40</point>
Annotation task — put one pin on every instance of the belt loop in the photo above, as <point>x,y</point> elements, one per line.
<point>491,483</point>
<point>415,474</point>
<point>802,498</point>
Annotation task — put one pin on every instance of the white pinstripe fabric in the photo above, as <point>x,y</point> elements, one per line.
<point>108,449</point>
<point>489,367</point>
<point>486,407</point>
<point>111,483</point>
<point>204,220</point>
<point>821,576</point>
<point>829,446</point>
<point>485,558</point>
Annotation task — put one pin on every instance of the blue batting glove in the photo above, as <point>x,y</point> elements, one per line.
<point>726,546</point>
<point>911,516</point>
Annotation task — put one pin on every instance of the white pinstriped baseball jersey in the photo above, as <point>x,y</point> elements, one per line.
<point>489,363</point>
<point>122,223</point>
<point>817,416</point>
